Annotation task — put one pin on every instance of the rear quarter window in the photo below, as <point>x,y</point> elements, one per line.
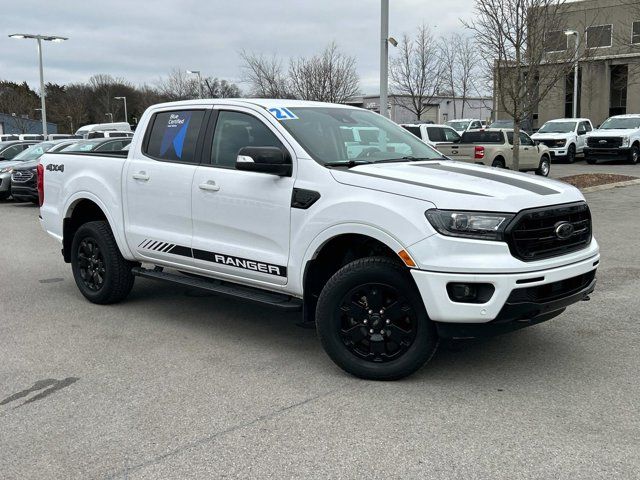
<point>414,130</point>
<point>482,137</point>
<point>174,135</point>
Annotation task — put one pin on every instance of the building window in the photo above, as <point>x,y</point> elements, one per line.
<point>618,90</point>
<point>568,94</point>
<point>635,32</point>
<point>555,41</point>
<point>599,36</point>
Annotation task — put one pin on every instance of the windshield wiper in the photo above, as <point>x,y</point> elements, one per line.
<point>348,163</point>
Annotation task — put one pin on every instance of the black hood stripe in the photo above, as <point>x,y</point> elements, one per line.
<point>514,182</point>
<point>419,184</point>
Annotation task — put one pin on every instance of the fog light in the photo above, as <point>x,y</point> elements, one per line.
<point>470,292</point>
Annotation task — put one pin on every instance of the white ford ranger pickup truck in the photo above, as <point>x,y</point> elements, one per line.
<point>383,244</point>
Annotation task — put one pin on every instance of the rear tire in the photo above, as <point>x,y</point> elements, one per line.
<point>499,163</point>
<point>372,322</point>
<point>545,167</point>
<point>99,269</point>
<point>4,195</point>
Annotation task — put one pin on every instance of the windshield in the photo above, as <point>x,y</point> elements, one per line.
<point>458,125</point>
<point>622,123</point>
<point>34,152</point>
<point>345,135</point>
<point>502,124</point>
<point>80,147</point>
<point>558,127</point>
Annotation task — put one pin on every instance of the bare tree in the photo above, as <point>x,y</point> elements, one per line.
<point>19,101</point>
<point>449,61</point>
<point>220,88</point>
<point>179,85</point>
<point>515,35</point>
<point>328,77</point>
<point>265,75</point>
<point>417,71</point>
<point>467,71</point>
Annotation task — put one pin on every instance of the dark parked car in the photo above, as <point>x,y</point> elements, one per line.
<point>23,176</point>
<point>9,151</point>
<point>98,145</point>
<point>11,148</point>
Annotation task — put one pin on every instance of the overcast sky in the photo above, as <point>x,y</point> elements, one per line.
<point>143,40</point>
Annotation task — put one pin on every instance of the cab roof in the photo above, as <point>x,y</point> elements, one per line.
<point>261,102</point>
<point>568,120</point>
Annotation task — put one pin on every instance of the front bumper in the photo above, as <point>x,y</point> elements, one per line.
<point>621,153</point>
<point>20,191</point>
<point>558,152</point>
<point>501,307</point>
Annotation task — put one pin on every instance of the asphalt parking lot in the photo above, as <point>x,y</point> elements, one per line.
<point>177,384</point>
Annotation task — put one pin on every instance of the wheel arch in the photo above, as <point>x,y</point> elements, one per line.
<point>82,208</point>
<point>335,248</point>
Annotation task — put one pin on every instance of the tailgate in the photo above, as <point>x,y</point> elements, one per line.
<point>457,151</point>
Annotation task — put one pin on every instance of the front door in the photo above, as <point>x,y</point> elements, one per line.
<point>241,220</point>
<point>157,185</point>
<point>529,155</point>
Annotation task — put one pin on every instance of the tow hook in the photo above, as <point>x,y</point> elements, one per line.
<point>586,298</point>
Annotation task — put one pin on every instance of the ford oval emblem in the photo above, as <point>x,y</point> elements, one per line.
<point>564,230</point>
<point>602,141</point>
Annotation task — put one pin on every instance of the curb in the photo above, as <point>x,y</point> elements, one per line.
<point>608,186</point>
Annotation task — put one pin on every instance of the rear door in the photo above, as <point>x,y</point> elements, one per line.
<point>241,219</point>
<point>157,185</point>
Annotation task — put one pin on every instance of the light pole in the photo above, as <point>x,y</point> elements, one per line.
<point>39,39</point>
<point>570,33</point>
<point>110,115</point>
<point>197,72</point>
<point>124,99</point>
<point>70,123</point>
<point>385,40</point>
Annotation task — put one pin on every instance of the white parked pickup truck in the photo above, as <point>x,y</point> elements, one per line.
<point>386,248</point>
<point>618,138</point>
<point>565,137</point>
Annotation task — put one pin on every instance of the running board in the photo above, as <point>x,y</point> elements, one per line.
<point>277,300</point>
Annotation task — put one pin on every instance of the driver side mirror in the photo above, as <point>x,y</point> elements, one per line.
<point>272,160</point>
<point>536,142</point>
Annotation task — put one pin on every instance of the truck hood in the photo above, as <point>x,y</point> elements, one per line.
<point>617,132</point>
<point>552,136</point>
<point>460,186</point>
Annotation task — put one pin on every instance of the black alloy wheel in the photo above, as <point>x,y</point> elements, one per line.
<point>571,153</point>
<point>377,323</point>
<point>91,264</point>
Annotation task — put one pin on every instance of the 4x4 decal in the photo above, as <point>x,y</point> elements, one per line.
<point>55,168</point>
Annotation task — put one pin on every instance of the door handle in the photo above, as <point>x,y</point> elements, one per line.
<point>209,186</point>
<point>141,176</point>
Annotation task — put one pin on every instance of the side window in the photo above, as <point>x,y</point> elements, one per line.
<point>11,152</point>
<point>586,126</point>
<point>436,134</point>
<point>525,139</point>
<point>174,135</point>
<point>451,135</point>
<point>234,131</point>
<point>510,138</point>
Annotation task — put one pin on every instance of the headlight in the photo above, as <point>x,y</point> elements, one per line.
<point>560,143</point>
<point>6,170</point>
<point>625,141</point>
<point>480,225</point>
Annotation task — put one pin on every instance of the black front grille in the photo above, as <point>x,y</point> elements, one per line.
<point>532,233</point>
<point>604,142</point>
<point>550,143</point>
<point>552,291</point>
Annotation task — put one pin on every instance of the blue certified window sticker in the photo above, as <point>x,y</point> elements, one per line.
<point>283,113</point>
<point>175,132</point>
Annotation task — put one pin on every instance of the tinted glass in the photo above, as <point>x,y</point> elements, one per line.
<point>10,152</point>
<point>599,36</point>
<point>451,135</point>
<point>482,137</point>
<point>558,127</point>
<point>174,135</point>
<point>234,131</point>
<point>318,131</point>
<point>436,134</point>
<point>525,139</point>
<point>414,130</point>
<point>34,152</point>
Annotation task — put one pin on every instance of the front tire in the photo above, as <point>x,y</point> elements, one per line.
<point>545,167</point>
<point>634,155</point>
<point>372,322</point>
<point>99,269</point>
<point>571,153</point>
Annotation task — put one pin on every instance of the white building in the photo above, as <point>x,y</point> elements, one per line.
<point>440,109</point>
